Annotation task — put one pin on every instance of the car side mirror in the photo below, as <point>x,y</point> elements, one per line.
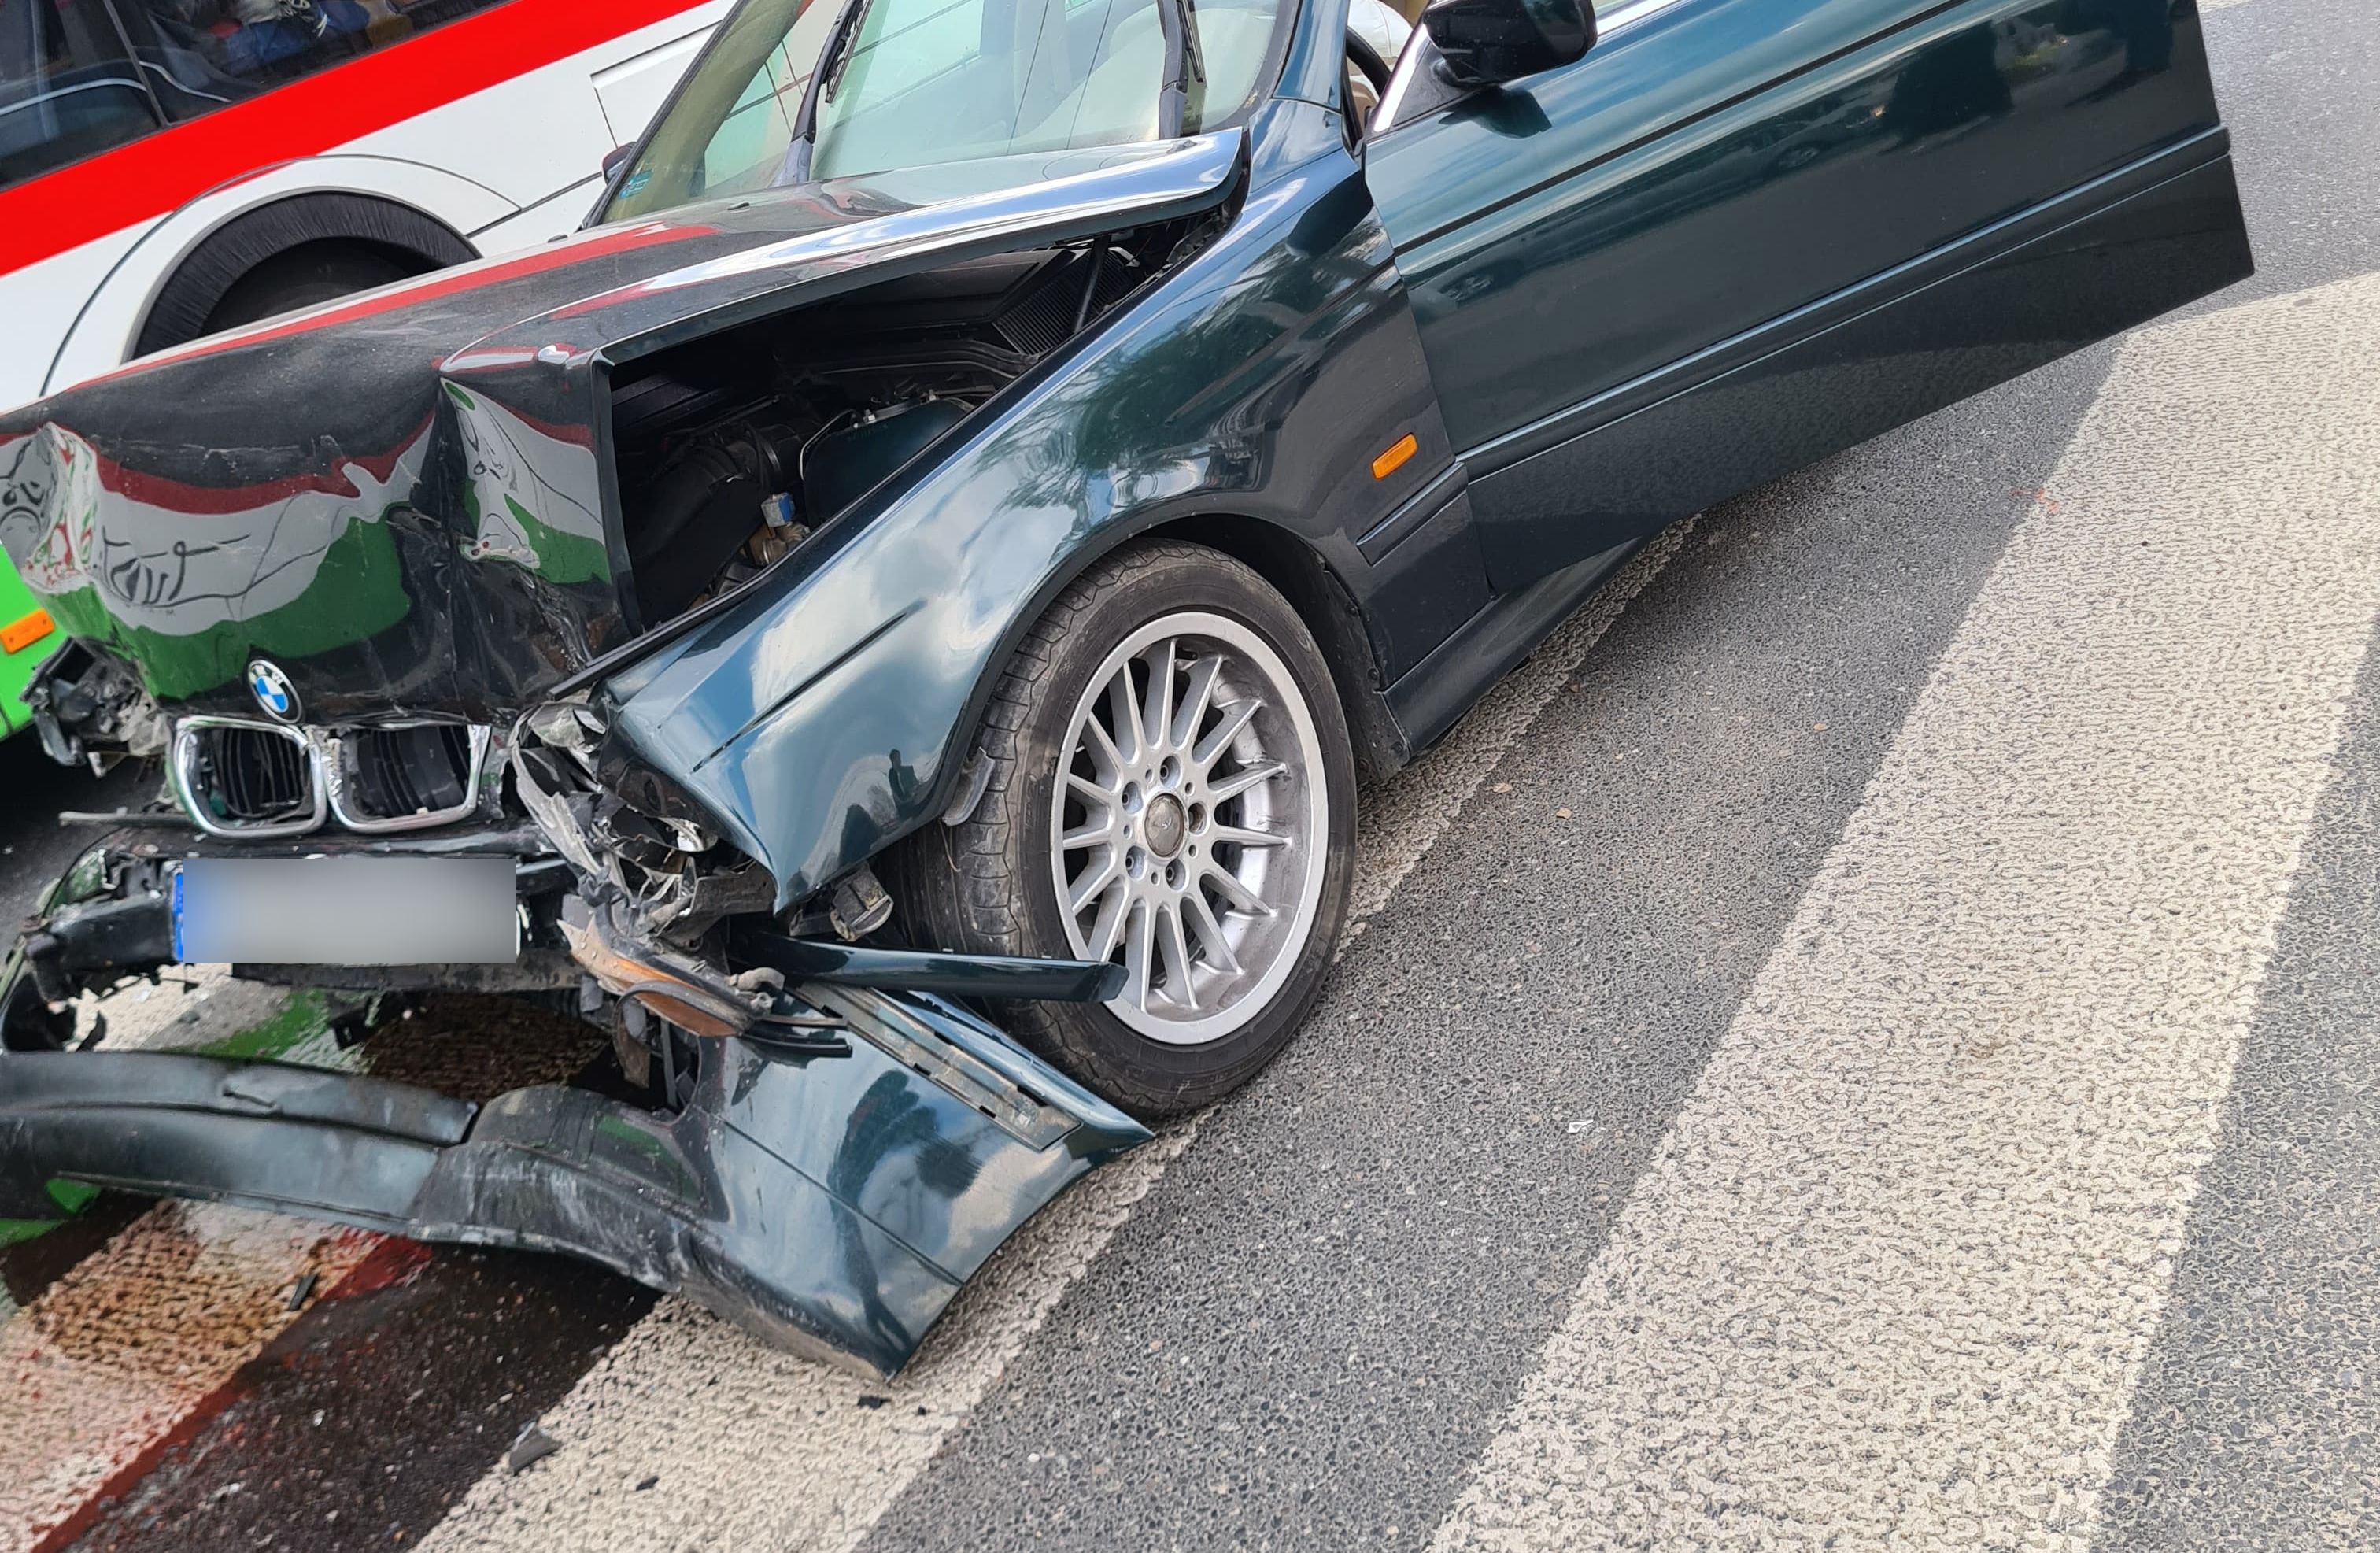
<point>1487,42</point>
<point>614,159</point>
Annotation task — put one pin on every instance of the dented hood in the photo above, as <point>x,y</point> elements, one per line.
<point>402,498</point>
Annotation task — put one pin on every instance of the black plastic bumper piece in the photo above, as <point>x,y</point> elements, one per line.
<point>132,934</point>
<point>832,1205</point>
<point>946,975</point>
<point>295,1137</point>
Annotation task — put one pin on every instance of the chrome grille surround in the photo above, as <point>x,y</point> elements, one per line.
<point>215,773</point>
<point>361,766</point>
<point>240,764</point>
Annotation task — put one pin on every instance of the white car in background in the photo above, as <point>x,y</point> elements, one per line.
<point>173,167</point>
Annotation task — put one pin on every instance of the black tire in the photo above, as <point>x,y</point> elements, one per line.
<point>289,254</point>
<point>985,886</point>
<point>304,277</point>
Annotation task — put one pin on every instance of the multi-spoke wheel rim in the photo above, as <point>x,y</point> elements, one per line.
<point>1189,826</point>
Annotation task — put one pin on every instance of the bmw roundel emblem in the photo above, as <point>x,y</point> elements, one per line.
<point>273,690</point>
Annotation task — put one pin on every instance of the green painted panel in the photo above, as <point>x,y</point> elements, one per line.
<point>16,668</point>
<point>358,592</point>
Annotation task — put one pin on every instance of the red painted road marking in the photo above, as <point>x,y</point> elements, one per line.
<point>386,1260</point>
<point>130,1347</point>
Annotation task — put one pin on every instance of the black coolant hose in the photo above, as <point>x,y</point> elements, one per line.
<point>694,514</point>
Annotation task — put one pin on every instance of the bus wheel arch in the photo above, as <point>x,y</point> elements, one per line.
<point>293,252</point>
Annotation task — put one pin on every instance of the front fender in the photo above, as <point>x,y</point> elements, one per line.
<point>823,717</point>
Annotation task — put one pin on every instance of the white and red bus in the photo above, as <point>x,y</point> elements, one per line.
<point>173,167</point>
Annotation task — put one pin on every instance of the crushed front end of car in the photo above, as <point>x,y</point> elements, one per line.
<point>815,1137</point>
<point>378,589</point>
<point>819,1139</point>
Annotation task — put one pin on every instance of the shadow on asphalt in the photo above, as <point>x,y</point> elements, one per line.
<point>34,848</point>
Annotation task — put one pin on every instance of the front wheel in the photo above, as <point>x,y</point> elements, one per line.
<point>1171,788</point>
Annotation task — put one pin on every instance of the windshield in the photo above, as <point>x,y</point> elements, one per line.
<point>935,80</point>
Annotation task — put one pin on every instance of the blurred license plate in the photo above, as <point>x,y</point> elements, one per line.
<point>346,911</point>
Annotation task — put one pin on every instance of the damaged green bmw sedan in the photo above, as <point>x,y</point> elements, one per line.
<point>888,621</point>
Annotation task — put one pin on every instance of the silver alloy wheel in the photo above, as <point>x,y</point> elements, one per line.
<point>1190,825</point>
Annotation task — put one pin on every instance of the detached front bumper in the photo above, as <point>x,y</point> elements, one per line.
<point>829,1203</point>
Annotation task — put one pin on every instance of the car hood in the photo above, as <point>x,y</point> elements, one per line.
<point>402,498</point>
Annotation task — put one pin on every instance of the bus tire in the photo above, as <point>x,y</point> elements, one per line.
<point>294,253</point>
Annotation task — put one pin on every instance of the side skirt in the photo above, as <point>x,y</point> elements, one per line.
<point>1433,695</point>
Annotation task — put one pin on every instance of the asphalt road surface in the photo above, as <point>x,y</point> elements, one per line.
<point>1871,1039</point>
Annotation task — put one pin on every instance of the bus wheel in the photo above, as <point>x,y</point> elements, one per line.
<point>294,253</point>
<point>307,275</point>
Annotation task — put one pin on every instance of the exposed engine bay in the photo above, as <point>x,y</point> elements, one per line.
<point>733,449</point>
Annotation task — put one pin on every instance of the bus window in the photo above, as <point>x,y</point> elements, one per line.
<point>65,89</point>
<point>199,54</point>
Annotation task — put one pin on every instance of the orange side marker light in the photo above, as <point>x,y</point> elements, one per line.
<point>24,631</point>
<point>1389,463</point>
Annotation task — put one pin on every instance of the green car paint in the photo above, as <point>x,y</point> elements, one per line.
<point>358,591</point>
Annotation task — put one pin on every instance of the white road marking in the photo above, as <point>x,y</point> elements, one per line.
<point>1889,1281</point>
<point>754,1448</point>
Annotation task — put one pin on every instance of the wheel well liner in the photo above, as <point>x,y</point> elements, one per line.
<point>180,310</point>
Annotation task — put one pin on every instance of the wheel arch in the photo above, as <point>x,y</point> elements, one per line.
<point>1291,563</point>
<point>111,306</point>
<point>1322,599</point>
<point>180,305</point>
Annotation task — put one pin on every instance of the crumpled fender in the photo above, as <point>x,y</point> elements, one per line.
<point>829,711</point>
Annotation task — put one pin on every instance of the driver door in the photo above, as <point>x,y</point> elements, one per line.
<point>1738,234</point>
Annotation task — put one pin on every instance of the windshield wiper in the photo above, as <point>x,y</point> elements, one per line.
<point>838,59</point>
<point>1178,19</point>
<point>824,81</point>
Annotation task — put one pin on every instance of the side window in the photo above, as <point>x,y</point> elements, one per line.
<point>67,90</point>
<point>199,54</point>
